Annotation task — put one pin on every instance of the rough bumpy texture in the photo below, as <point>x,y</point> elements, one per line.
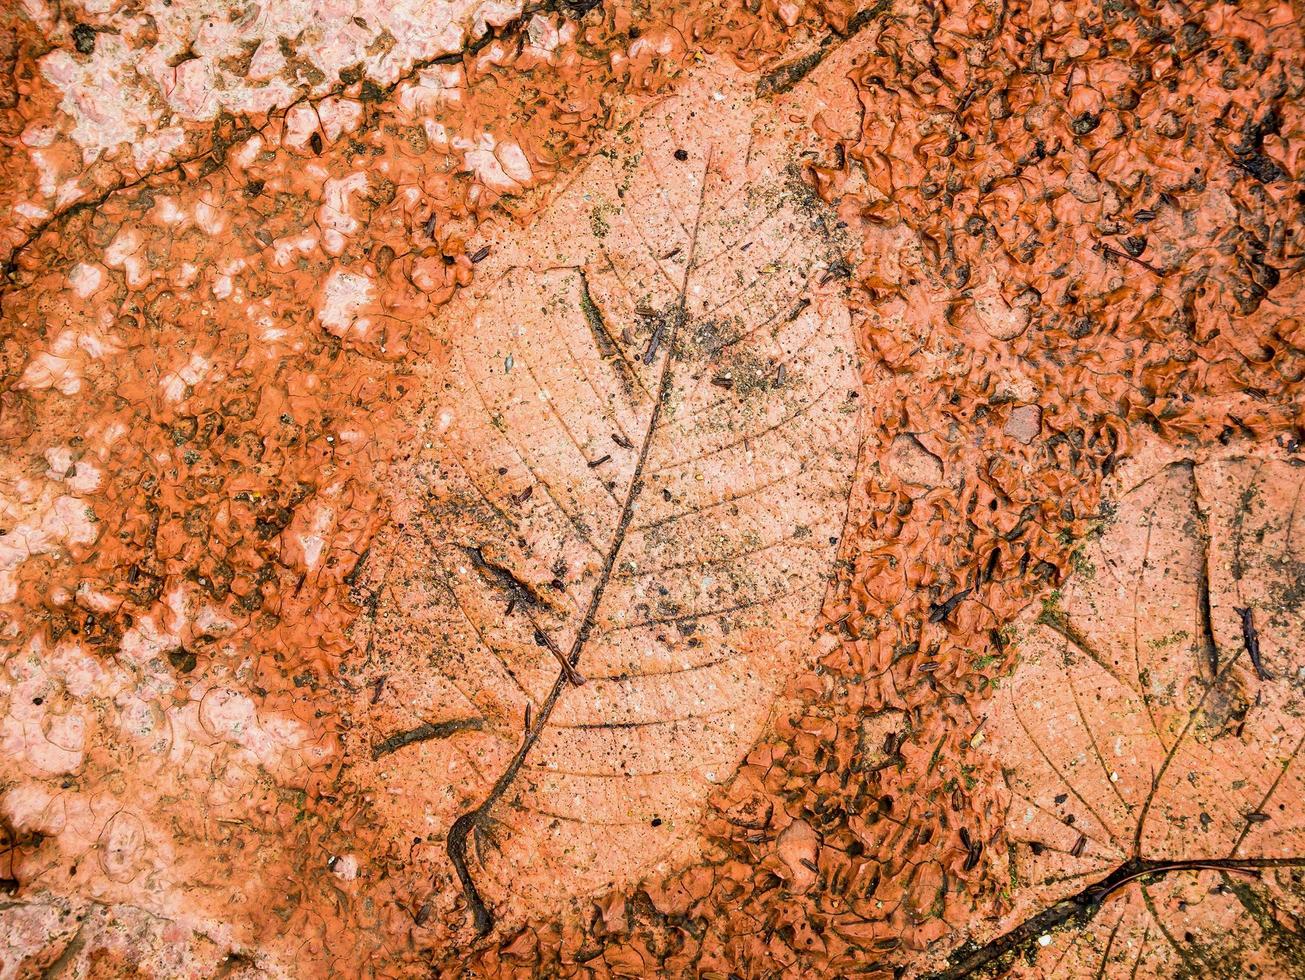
<point>241,243</point>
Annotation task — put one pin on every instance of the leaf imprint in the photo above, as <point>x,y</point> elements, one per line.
<point>606,506</point>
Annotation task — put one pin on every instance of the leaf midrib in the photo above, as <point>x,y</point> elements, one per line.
<point>468,822</point>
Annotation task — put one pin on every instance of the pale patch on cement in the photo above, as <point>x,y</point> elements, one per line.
<point>161,63</point>
<point>344,294</point>
<point>48,521</point>
<point>500,165</point>
<point>334,217</point>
